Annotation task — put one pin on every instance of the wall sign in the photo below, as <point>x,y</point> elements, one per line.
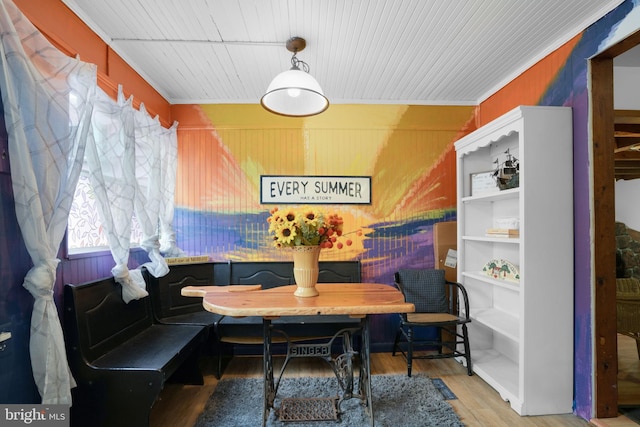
<point>289,189</point>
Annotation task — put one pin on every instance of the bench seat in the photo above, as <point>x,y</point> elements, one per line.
<point>119,357</point>
<point>161,348</point>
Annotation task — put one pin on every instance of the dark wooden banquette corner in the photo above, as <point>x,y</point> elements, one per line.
<point>171,308</point>
<point>228,334</point>
<point>119,357</point>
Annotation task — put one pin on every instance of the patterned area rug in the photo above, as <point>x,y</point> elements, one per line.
<point>397,401</point>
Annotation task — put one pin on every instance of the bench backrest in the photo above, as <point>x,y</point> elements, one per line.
<point>339,272</point>
<point>267,274</point>
<point>272,274</point>
<point>165,291</point>
<point>97,319</point>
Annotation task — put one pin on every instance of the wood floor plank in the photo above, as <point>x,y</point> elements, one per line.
<point>628,372</point>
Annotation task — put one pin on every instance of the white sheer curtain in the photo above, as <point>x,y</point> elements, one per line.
<point>169,158</point>
<point>47,99</point>
<point>148,132</point>
<point>110,162</point>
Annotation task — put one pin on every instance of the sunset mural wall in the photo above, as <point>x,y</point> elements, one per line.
<point>406,150</point>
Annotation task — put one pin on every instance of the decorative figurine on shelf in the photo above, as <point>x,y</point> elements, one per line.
<point>507,174</point>
<point>502,269</point>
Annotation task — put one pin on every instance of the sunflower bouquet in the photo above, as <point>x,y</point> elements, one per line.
<point>306,226</point>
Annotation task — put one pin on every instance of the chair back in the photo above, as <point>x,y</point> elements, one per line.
<point>425,288</point>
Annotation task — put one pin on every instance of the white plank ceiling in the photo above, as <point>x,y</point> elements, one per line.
<point>450,52</point>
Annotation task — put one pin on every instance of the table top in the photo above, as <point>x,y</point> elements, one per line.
<point>355,299</point>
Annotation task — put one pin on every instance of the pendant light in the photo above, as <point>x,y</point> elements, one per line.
<point>295,93</point>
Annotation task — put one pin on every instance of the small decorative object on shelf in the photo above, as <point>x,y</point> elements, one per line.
<point>503,232</point>
<point>507,222</point>
<point>502,269</point>
<point>482,183</point>
<point>507,173</point>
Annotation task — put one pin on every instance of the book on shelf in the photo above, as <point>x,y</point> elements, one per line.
<point>503,232</point>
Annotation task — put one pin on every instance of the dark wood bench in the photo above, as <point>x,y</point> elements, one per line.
<point>227,334</point>
<point>119,357</point>
<point>171,308</point>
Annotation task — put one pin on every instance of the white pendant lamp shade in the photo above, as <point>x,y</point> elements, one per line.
<point>295,93</point>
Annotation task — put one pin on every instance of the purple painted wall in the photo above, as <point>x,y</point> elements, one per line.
<point>16,381</point>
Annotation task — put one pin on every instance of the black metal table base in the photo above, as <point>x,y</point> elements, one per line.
<point>342,364</point>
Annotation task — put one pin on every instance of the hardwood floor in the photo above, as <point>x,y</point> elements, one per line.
<point>628,382</point>
<point>477,405</point>
<point>628,372</point>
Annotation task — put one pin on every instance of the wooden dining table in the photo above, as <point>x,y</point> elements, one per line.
<point>358,300</point>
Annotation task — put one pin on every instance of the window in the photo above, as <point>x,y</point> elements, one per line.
<point>84,228</point>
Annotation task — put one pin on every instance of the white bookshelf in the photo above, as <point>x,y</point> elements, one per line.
<point>521,333</point>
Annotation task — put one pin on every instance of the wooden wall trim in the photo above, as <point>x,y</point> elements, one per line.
<point>621,47</point>
<point>605,342</point>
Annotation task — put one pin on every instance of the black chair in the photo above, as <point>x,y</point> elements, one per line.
<point>437,306</point>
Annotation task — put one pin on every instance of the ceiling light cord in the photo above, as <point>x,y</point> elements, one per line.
<point>297,64</point>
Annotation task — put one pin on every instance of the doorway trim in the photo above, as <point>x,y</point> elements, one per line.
<point>602,144</point>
